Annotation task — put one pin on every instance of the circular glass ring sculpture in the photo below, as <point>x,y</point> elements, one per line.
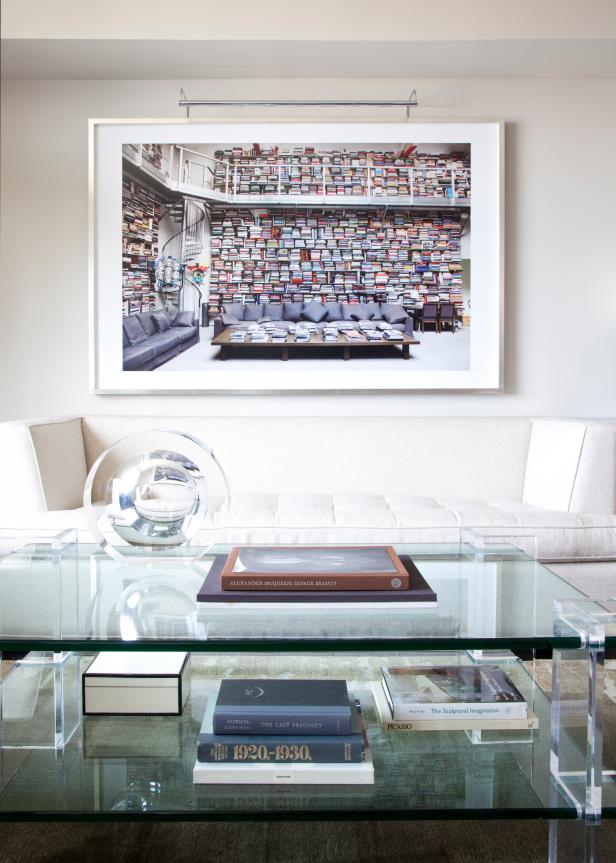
<point>153,490</point>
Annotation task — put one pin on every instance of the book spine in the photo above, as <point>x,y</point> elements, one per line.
<point>412,712</point>
<point>530,723</point>
<point>280,749</point>
<point>310,582</point>
<point>238,722</point>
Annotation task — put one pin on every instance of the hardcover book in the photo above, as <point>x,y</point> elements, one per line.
<point>360,773</point>
<point>530,723</point>
<point>451,692</point>
<point>314,568</point>
<point>282,707</point>
<point>419,593</point>
<point>295,748</point>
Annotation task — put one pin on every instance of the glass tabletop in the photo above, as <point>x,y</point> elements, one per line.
<point>114,767</point>
<point>80,599</point>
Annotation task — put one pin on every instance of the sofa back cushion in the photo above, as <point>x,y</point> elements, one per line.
<point>253,312</point>
<point>375,311</point>
<point>357,311</point>
<point>273,311</point>
<point>314,311</point>
<point>236,310</point>
<point>183,319</point>
<point>133,330</point>
<point>334,312</point>
<point>292,311</point>
<point>393,313</point>
<point>161,321</point>
<point>147,323</point>
<point>415,455</point>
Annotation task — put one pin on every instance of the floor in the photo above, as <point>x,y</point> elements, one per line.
<point>293,842</point>
<point>436,351</point>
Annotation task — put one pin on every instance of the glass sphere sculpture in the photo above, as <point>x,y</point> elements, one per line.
<point>153,490</point>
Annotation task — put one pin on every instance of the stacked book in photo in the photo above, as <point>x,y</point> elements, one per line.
<point>305,732</point>
<point>269,170</point>
<point>140,217</point>
<point>314,576</point>
<point>449,698</point>
<point>271,255</point>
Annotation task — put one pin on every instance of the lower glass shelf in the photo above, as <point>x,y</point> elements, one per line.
<point>133,767</point>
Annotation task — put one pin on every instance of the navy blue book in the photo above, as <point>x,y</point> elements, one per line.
<point>282,707</point>
<point>268,748</point>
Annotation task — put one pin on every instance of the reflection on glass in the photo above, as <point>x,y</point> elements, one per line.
<point>153,490</point>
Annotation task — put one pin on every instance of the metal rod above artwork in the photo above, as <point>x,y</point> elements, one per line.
<point>411,102</point>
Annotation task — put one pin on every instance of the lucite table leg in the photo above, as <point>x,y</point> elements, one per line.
<point>573,842</point>
<point>41,702</point>
<point>576,756</point>
<point>58,698</point>
<point>2,780</point>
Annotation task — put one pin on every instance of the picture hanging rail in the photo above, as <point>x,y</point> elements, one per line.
<point>407,104</point>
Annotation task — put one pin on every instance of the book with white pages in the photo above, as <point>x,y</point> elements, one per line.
<point>486,724</point>
<point>452,692</point>
<point>359,773</point>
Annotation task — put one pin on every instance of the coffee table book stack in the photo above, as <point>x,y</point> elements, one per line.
<point>450,698</point>
<point>307,575</point>
<point>301,732</point>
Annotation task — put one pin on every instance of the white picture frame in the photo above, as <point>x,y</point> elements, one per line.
<point>485,365</point>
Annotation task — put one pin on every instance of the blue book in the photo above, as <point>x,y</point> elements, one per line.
<point>272,749</point>
<point>282,707</point>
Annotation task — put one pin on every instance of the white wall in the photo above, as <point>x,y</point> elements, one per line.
<point>560,194</point>
<point>280,20</point>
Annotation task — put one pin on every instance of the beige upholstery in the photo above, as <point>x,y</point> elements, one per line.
<point>61,462</point>
<point>43,465</point>
<point>466,457</point>
<point>352,479</point>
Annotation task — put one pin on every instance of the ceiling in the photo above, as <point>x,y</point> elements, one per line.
<point>199,59</point>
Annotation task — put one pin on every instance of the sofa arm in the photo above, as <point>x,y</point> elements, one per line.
<point>408,326</point>
<point>594,489</point>
<point>44,465</point>
<point>571,466</point>
<point>218,326</point>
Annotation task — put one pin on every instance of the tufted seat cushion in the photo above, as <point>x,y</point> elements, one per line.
<point>371,518</point>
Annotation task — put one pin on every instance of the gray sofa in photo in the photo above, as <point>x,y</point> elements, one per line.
<point>153,338</point>
<point>320,314</point>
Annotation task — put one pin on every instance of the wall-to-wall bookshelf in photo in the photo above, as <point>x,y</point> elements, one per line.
<point>344,255</point>
<point>141,210</point>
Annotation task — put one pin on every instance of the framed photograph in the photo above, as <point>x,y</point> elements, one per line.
<point>371,560</point>
<point>296,257</point>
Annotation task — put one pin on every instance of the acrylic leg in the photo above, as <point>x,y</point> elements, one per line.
<point>573,841</point>
<point>576,758</point>
<point>58,698</point>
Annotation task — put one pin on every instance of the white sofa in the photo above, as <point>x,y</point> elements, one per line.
<point>351,479</point>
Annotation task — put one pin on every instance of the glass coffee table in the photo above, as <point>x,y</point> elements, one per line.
<point>63,606</point>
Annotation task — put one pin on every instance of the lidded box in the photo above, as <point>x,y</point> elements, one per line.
<point>138,683</point>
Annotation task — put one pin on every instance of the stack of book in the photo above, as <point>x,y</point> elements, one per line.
<point>347,255</point>
<point>450,698</point>
<point>140,217</point>
<point>283,731</point>
<point>336,575</point>
<point>303,171</point>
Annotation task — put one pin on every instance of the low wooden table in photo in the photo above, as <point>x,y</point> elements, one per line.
<point>224,341</point>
